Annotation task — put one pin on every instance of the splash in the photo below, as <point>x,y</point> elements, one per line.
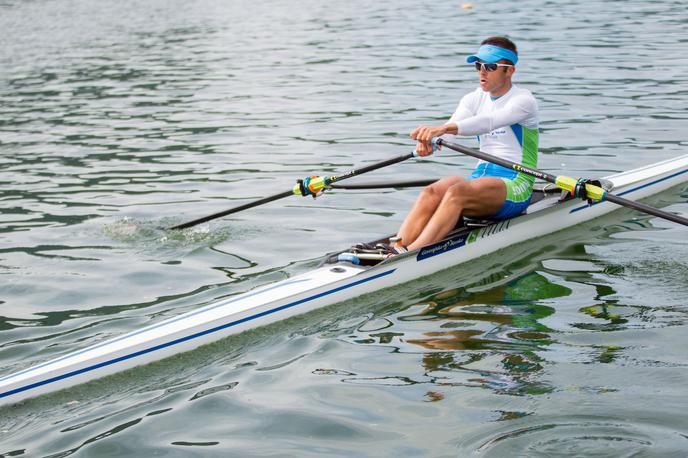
<point>156,236</point>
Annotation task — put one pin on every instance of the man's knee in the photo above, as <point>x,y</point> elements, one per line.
<point>437,190</point>
<point>458,193</point>
<point>431,193</point>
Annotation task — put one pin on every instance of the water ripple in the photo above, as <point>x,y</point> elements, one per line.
<point>584,437</point>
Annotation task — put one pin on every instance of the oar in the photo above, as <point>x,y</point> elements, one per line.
<point>309,186</point>
<point>386,184</point>
<point>566,183</point>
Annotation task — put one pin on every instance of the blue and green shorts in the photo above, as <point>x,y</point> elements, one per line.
<point>519,188</point>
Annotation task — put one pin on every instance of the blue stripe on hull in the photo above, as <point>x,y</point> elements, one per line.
<point>155,326</point>
<point>194,336</point>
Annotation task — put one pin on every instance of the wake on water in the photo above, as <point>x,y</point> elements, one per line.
<point>154,235</point>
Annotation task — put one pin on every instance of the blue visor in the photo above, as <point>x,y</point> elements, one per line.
<point>492,54</point>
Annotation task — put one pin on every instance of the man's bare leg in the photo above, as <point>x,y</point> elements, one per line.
<point>479,197</point>
<point>425,206</point>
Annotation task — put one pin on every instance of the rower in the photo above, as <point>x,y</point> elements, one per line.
<point>504,117</point>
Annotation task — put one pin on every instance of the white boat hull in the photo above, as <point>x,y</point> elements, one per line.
<point>321,287</point>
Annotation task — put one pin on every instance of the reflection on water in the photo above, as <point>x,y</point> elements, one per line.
<point>490,339</point>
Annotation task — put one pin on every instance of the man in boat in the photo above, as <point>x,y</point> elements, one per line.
<point>504,117</point>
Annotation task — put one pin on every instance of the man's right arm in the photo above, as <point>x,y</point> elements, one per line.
<point>467,108</point>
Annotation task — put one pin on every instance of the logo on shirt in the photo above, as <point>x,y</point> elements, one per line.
<point>496,133</point>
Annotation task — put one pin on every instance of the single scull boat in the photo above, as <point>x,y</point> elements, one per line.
<point>343,275</point>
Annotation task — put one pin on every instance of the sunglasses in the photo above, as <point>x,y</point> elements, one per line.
<point>489,67</point>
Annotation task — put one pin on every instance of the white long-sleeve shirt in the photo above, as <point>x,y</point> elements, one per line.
<point>506,127</point>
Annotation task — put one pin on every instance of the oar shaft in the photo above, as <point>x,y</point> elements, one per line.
<point>246,206</point>
<point>333,179</point>
<point>647,209</point>
<point>371,167</point>
<point>386,184</point>
<point>498,160</point>
<point>557,180</point>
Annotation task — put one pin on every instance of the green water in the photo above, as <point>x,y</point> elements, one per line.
<point>117,118</point>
